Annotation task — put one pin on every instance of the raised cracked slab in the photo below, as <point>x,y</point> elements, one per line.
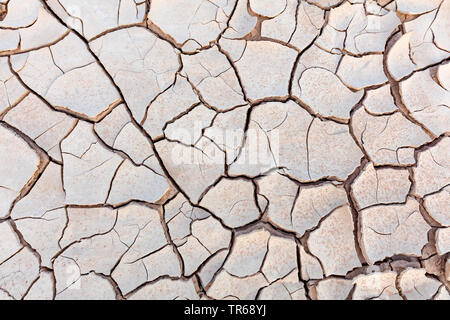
<point>224,149</point>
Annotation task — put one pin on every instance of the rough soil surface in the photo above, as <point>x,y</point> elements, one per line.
<point>225,149</point>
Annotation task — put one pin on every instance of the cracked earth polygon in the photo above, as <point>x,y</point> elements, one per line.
<point>225,149</point>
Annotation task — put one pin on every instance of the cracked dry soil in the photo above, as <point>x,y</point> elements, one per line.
<point>118,179</point>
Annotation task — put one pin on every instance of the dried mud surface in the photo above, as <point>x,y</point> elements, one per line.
<point>225,149</point>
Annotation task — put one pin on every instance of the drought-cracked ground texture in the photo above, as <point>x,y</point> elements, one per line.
<point>224,149</point>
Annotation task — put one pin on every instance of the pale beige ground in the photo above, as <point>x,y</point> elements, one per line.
<point>224,149</point>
